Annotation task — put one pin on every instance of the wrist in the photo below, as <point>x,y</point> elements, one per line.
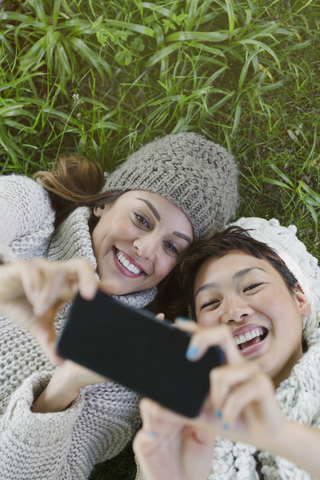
<point>57,396</point>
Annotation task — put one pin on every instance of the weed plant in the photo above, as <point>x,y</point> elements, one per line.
<point>103,77</point>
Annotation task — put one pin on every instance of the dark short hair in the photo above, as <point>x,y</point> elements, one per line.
<point>230,239</point>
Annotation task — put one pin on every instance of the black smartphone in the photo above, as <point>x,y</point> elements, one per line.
<point>131,347</point>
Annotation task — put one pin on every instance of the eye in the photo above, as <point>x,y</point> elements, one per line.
<point>209,304</point>
<point>251,287</point>
<point>142,220</point>
<point>171,248</point>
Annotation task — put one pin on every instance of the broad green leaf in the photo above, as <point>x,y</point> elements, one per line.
<point>108,125</point>
<point>212,50</point>
<point>271,181</point>
<point>219,104</point>
<point>237,117</point>
<point>131,26</point>
<point>313,214</point>
<point>156,8</point>
<point>231,15</point>
<point>215,75</point>
<point>281,174</point>
<point>203,36</point>
<point>162,53</point>
<point>11,110</point>
<point>310,192</point>
<point>263,46</point>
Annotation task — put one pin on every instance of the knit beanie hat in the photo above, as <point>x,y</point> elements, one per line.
<point>293,252</point>
<point>197,175</point>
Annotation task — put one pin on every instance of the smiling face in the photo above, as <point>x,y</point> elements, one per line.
<point>249,295</point>
<point>138,240</point>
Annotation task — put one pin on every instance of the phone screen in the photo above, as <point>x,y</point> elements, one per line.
<point>131,347</point>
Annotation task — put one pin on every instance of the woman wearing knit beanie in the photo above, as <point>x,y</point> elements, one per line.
<point>254,291</point>
<point>65,232</point>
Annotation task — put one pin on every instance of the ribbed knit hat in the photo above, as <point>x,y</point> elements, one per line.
<point>299,261</point>
<point>197,175</point>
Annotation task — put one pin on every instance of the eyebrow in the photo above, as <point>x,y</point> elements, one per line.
<point>182,235</point>
<point>157,216</point>
<point>236,276</point>
<point>152,208</point>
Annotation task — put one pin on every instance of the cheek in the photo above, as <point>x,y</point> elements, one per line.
<point>206,320</point>
<point>121,229</point>
<point>166,264</point>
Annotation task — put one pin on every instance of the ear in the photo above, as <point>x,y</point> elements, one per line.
<point>98,210</point>
<point>304,306</point>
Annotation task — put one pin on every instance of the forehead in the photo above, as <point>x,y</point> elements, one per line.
<point>221,270</point>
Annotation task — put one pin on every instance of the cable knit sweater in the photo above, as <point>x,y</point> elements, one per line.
<point>299,399</point>
<point>99,423</point>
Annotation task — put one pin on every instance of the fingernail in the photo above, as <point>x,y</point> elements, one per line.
<point>225,426</point>
<point>217,413</point>
<point>192,352</point>
<point>152,434</point>
<point>183,319</point>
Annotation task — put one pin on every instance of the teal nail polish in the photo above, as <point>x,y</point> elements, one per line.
<point>225,426</point>
<point>192,352</point>
<point>218,413</point>
<point>152,434</point>
<point>183,319</point>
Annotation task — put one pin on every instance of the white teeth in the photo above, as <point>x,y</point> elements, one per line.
<point>129,266</point>
<point>239,339</point>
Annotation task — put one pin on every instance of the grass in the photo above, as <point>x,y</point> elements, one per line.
<point>104,77</point>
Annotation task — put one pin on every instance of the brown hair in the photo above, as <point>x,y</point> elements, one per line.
<point>75,182</point>
<point>232,238</point>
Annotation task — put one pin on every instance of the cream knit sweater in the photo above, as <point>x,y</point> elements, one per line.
<point>104,417</point>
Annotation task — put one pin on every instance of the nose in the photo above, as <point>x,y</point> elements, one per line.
<point>235,310</point>
<point>145,247</point>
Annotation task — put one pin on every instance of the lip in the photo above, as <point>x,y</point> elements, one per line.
<point>122,269</point>
<point>256,347</point>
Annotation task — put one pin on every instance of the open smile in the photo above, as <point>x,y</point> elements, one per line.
<point>251,339</point>
<point>126,265</point>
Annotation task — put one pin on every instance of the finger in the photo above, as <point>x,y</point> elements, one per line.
<point>44,332</point>
<point>186,325</point>
<point>51,292</point>
<point>257,393</point>
<point>160,316</point>
<point>62,280</point>
<point>216,336</point>
<point>223,381</point>
<point>152,412</point>
<point>143,441</point>
<point>88,283</point>
<point>31,281</point>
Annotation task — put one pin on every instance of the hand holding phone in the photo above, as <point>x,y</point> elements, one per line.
<point>132,347</point>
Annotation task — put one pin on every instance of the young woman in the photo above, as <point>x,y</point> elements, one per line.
<point>257,295</point>
<point>61,234</point>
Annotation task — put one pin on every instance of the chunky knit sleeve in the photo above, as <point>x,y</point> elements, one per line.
<point>60,445</point>
<point>26,218</point>
<point>65,445</point>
